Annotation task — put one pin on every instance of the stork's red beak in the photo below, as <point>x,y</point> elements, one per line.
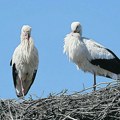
<point>27,36</point>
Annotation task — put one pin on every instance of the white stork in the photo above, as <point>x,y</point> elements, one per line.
<point>24,63</point>
<point>90,56</point>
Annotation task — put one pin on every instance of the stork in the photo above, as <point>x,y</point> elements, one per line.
<point>91,56</point>
<point>24,63</point>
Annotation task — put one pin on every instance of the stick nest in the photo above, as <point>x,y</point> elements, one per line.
<point>103,104</point>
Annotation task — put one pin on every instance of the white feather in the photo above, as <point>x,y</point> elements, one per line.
<point>96,50</point>
<point>81,51</point>
<point>26,59</point>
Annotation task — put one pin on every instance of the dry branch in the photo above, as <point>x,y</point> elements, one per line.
<point>103,104</point>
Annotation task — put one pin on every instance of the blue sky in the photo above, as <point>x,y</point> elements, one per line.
<point>50,22</point>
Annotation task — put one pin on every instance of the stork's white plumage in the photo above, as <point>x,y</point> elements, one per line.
<point>24,62</point>
<point>90,56</point>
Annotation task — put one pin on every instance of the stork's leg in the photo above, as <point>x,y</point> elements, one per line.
<point>94,85</point>
<point>22,87</point>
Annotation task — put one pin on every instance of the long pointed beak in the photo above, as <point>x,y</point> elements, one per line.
<point>27,36</point>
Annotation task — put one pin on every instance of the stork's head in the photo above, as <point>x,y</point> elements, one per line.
<point>26,32</point>
<point>76,28</point>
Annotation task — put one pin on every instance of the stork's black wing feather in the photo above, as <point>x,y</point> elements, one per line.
<point>113,54</point>
<point>10,62</point>
<point>14,73</point>
<point>112,65</point>
<point>33,78</point>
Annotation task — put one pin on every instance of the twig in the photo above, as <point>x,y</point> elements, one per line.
<point>68,117</point>
<point>10,111</point>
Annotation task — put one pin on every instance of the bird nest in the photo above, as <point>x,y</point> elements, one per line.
<point>103,104</point>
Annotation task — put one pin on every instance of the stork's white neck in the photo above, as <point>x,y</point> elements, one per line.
<point>77,35</point>
<point>27,45</point>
